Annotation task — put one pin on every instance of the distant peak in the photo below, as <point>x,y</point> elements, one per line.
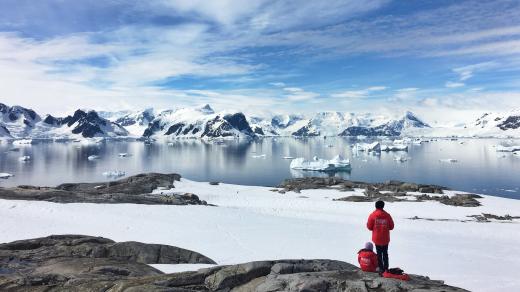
<point>206,109</point>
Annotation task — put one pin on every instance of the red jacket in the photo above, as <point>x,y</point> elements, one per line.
<point>367,260</point>
<point>380,223</point>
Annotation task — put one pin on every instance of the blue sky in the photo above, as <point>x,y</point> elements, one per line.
<point>445,60</point>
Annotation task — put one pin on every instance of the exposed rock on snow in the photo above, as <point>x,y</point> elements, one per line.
<point>137,189</point>
<point>317,164</point>
<point>81,263</point>
<point>297,184</point>
<point>201,122</point>
<point>86,124</point>
<point>408,123</point>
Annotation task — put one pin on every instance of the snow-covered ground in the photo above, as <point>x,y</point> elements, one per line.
<point>255,223</point>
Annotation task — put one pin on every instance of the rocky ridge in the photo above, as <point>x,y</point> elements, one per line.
<point>135,189</point>
<point>86,263</point>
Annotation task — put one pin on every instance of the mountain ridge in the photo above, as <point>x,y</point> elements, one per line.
<point>204,122</point>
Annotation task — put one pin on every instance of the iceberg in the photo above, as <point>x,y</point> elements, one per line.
<point>372,147</point>
<point>23,142</point>
<point>93,157</point>
<point>317,164</point>
<point>501,148</point>
<point>114,173</point>
<point>448,160</point>
<point>288,157</point>
<point>5,175</point>
<point>394,148</point>
<point>25,158</point>
<point>401,158</point>
<point>259,156</point>
<point>123,154</point>
<point>417,141</point>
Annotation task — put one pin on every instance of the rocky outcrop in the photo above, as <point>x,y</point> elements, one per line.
<point>389,191</point>
<point>85,263</point>
<point>68,262</point>
<point>134,190</point>
<point>348,185</point>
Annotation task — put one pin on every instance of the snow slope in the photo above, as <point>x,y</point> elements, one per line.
<point>254,223</point>
<point>17,120</point>
<point>199,122</point>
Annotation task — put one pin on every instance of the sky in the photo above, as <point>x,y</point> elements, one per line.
<point>447,61</point>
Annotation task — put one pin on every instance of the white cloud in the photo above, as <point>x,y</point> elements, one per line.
<point>360,93</point>
<point>451,84</point>
<point>298,94</point>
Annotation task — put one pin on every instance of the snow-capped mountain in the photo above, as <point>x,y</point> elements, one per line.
<point>17,120</point>
<point>406,125</point>
<point>496,124</point>
<point>199,122</point>
<point>85,124</point>
<point>277,125</point>
<point>135,122</point>
<point>204,122</point>
<point>4,132</point>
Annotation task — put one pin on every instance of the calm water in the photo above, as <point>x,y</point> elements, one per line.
<point>479,168</point>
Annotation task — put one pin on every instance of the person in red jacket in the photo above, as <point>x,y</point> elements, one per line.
<point>367,259</point>
<point>380,223</point>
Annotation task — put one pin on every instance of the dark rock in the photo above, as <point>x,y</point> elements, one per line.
<point>74,261</point>
<point>84,263</point>
<point>134,190</point>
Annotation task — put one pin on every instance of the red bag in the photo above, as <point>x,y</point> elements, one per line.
<point>403,277</point>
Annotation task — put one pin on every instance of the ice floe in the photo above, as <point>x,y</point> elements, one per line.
<point>372,147</point>
<point>5,175</point>
<point>317,164</point>
<point>500,148</point>
<point>397,147</point>
<point>25,158</point>
<point>93,157</point>
<point>448,160</point>
<point>114,173</point>
<point>23,142</point>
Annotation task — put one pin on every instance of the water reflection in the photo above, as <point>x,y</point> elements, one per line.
<point>479,168</point>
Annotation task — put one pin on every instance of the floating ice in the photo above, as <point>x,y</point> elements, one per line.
<point>500,148</point>
<point>5,175</point>
<point>23,142</point>
<point>93,157</point>
<point>288,157</point>
<point>417,141</point>
<point>449,160</point>
<point>318,164</point>
<point>114,173</point>
<point>401,158</point>
<point>123,154</point>
<point>372,147</point>
<point>25,158</point>
<point>394,148</point>
<point>259,156</point>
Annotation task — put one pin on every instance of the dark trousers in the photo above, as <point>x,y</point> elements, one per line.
<point>382,257</point>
